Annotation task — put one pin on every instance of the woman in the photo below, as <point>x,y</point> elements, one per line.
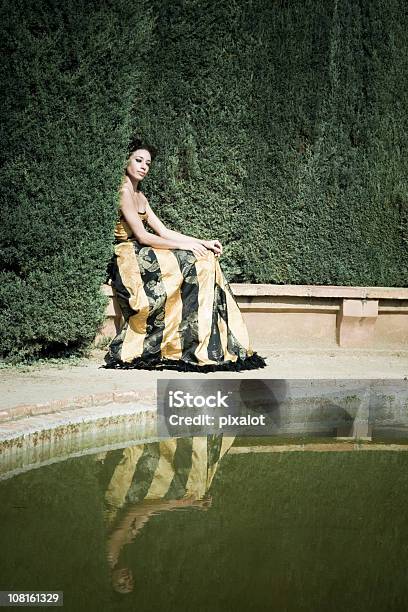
<point>179,310</point>
<point>151,478</point>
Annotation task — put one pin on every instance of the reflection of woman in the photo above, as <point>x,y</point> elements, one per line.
<point>154,478</point>
<point>178,309</point>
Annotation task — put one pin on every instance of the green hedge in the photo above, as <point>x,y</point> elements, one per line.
<point>69,88</point>
<point>282,127</point>
<point>281,130</point>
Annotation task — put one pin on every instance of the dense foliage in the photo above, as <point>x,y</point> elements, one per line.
<point>280,127</point>
<point>68,90</point>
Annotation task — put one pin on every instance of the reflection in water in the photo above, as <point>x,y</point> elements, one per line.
<point>311,531</point>
<point>149,479</point>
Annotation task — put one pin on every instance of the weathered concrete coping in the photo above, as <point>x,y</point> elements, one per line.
<point>72,417</point>
<point>40,440</point>
<point>93,400</point>
<point>351,407</point>
<point>309,291</point>
<point>317,291</point>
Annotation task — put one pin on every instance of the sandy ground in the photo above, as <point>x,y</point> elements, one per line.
<point>44,384</point>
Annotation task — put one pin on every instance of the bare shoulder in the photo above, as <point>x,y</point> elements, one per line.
<point>125,187</point>
<point>125,190</point>
<point>125,193</point>
<point>126,184</point>
<point>126,200</point>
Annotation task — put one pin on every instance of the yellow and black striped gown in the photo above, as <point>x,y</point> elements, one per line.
<point>151,478</point>
<point>170,469</point>
<point>178,309</point>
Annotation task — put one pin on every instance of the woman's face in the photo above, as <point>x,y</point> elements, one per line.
<point>122,580</point>
<point>139,164</point>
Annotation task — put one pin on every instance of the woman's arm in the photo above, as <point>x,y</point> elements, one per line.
<point>138,514</point>
<point>131,215</point>
<point>160,229</point>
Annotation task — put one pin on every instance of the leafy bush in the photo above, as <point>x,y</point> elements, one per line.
<point>281,131</point>
<point>68,91</point>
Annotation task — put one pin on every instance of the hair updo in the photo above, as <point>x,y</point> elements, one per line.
<point>136,143</point>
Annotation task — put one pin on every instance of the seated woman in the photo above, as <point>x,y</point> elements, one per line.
<point>148,479</point>
<point>178,308</point>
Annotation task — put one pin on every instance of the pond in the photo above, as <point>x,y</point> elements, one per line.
<point>198,524</point>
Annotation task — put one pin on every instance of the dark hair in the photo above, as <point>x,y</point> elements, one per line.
<point>137,143</point>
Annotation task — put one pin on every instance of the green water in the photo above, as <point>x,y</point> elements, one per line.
<point>299,531</point>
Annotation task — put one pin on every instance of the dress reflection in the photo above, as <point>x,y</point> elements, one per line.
<point>148,479</point>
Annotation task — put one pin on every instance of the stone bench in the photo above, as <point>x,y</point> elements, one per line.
<point>312,316</point>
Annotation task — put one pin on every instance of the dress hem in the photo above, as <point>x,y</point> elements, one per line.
<point>251,362</point>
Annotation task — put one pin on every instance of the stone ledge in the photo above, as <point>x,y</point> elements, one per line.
<point>311,315</point>
<point>316,291</point>
<point>323,291</point>
<point>93,400</point>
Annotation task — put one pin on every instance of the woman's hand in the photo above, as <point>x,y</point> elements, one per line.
<point>213,245</point>
<point>197,247</point>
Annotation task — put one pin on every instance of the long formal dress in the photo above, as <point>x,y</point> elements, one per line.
<point>145,480</point>
<point>179,311</point>
<point>175,468</point>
